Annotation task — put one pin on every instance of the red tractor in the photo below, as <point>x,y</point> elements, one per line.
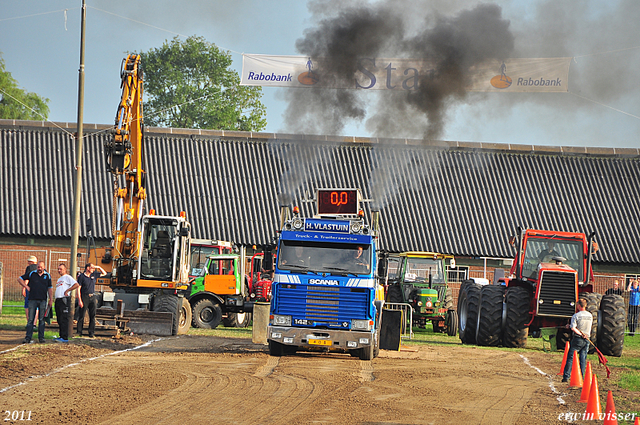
<point>260,278</point>
<point>550,272</point>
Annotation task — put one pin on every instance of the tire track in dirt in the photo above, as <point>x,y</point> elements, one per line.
<point>267,369</point>
<point>366,371</point>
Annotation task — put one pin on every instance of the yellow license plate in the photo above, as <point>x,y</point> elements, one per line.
<point>320,342</point>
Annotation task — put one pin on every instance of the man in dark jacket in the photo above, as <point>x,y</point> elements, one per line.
<point>87,301</point>
<point>615,290</point>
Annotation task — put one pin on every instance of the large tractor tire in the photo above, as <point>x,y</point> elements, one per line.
<point>468,303</point>
<point>452,322</point>
<point>593,305</point>
<point>448,299</point>
<point>562,337</point>
<point>490,315</point>
<point>515,332</point>
<point>237,320</point>
<point>394,294</point>
<point>611,325</point>
<point>169,303</point>
<point>207,314</point>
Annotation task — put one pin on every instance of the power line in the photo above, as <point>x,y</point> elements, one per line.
<point>606,106</point>
<point>37,14</point>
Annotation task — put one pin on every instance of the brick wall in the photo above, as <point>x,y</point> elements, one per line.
<point>14,261</point>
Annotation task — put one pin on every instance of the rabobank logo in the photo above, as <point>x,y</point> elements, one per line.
<point>308,78</point>
<point>501,81</point>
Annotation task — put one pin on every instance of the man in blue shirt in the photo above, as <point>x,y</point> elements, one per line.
<point>38,283</point>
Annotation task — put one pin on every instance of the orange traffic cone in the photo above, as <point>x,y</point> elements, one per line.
<point>610,411</point>
<point>564,358</point>
<point>584,396</point>
<point>637,422</point>
<point>576,373</point>
<point>593,407</point>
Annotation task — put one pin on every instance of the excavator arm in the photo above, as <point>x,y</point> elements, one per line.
<point>124,159</point>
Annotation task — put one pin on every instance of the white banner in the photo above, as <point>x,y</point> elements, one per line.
<point>510,75</point>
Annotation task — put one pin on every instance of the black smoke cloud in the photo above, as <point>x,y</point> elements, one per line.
<point>456,42</point>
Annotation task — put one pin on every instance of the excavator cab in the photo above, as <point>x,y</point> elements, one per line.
<point>160,255</point>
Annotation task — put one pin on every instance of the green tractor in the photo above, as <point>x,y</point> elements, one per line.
<point>218,289</point>
<point>420,280</point>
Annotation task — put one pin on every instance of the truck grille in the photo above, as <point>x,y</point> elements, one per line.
<point>557,292</point>
<point>325,306</point>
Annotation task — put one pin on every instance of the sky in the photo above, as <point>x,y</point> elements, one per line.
<point>40,44</point>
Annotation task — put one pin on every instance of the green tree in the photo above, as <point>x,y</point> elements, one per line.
<point>189,84</point>
<point>17,104</point>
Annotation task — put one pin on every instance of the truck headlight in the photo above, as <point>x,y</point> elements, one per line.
<point>281,320</point>
<point>297,223</point>
<point>361,325</point>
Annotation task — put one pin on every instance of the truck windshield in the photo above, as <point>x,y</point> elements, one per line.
<point>322,257</point>
<point>419,269</point>
<point>542,250</point>
<point>157,250</point>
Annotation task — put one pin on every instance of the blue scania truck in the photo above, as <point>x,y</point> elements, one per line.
<point>326,295</point>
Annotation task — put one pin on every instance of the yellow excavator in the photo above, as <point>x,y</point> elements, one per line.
<point>150,253</point>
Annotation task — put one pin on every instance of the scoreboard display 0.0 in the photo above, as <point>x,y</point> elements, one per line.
<point>340,201</point>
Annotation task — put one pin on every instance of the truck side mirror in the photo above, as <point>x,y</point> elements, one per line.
<point>382,266</point>
<point>512,240</point>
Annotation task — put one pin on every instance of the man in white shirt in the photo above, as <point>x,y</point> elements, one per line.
<point>581,328</point>
<point>65,285</point>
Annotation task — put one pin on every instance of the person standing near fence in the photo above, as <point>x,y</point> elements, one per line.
<point>615,290</point>
<point>64,286</point>
<point>634,306</point>
<point>32,264</point>
<point>38,283</point>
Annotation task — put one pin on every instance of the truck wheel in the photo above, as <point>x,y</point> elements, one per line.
<point>452,323</point>
<point>207,314</point>
<point>611,325</point>
<point>169,303</point>
<point>376,347</point>
<point>276,349</point>
<point>237,320</point>
<point>185,317</point>
<point>468,301</point>
<point>593,305</point>
<point>490,315</point>
<point>366,353</point>
<point>516,329</point>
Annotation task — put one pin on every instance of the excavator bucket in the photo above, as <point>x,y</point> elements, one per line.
<point>143,322</point>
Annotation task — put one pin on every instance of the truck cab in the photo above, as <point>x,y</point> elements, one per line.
<point>325,293</point>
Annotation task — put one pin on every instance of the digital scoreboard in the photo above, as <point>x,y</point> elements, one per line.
<point>338,201</point>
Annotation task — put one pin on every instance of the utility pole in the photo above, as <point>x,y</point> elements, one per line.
<point>78,176</point>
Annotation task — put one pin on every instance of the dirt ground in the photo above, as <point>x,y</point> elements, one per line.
<point>203,380</point>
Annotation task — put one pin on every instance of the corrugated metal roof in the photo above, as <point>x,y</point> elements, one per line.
<point>455,198</point>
